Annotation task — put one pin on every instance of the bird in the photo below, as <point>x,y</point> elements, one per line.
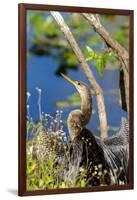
<point>111,153</point>
<point>79,118</point>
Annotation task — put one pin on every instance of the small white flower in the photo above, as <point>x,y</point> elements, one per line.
<point>94,173</point>
<point>38,89</point>
<point>100,166</point>
<point>121,183</point>
<point>105,171</point>
<point>96,167</point>
<point>28,94</point>
<point>99,173</point>
<point>81,169</point>
<point>65,138</point>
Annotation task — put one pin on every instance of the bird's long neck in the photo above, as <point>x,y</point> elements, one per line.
<point>86,106</point>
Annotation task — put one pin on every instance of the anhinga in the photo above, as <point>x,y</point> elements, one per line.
<point>111,153</point>
<point>79,118</point>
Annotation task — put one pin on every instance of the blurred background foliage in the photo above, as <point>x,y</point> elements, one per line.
<point>72,101</point>
<point>46,39</point>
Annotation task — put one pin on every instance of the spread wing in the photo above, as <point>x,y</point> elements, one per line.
<point>116,150</point>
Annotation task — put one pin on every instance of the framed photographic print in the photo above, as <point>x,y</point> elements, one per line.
<point>75,99</point>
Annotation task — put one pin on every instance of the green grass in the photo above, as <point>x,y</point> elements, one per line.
<point>48,160</point>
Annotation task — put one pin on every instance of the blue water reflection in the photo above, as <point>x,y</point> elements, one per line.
<point>41,74</point>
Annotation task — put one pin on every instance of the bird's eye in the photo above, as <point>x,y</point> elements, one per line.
<point>78,83</point>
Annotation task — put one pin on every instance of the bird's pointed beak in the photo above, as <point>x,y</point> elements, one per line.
<point>68,79</point>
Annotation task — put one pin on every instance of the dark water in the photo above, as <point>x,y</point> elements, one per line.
<point>41,74</point>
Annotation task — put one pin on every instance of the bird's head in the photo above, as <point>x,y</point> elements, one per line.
<point>81,87</point>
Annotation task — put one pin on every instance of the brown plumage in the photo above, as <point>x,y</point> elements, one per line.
<point>110,153</point>
<point>83,139</point>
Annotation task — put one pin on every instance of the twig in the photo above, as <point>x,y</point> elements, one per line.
<point>120,50</point>
<point>88,72</point>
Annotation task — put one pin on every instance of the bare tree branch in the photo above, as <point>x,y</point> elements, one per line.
<point>120,50</point>
<point>88,72</point>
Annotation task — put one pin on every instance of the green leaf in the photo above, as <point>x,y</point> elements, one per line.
<point>30,167</point>
<point>63,185</point>
<point>89,58</point>
<point>92,54</point>
<point>83,183</point>
<point>104,61</point>
<point>99,66</point>
<point>41,182</point>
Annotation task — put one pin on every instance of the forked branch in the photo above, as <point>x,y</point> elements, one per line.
<point>88,72</point>
<point>120,50</point>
